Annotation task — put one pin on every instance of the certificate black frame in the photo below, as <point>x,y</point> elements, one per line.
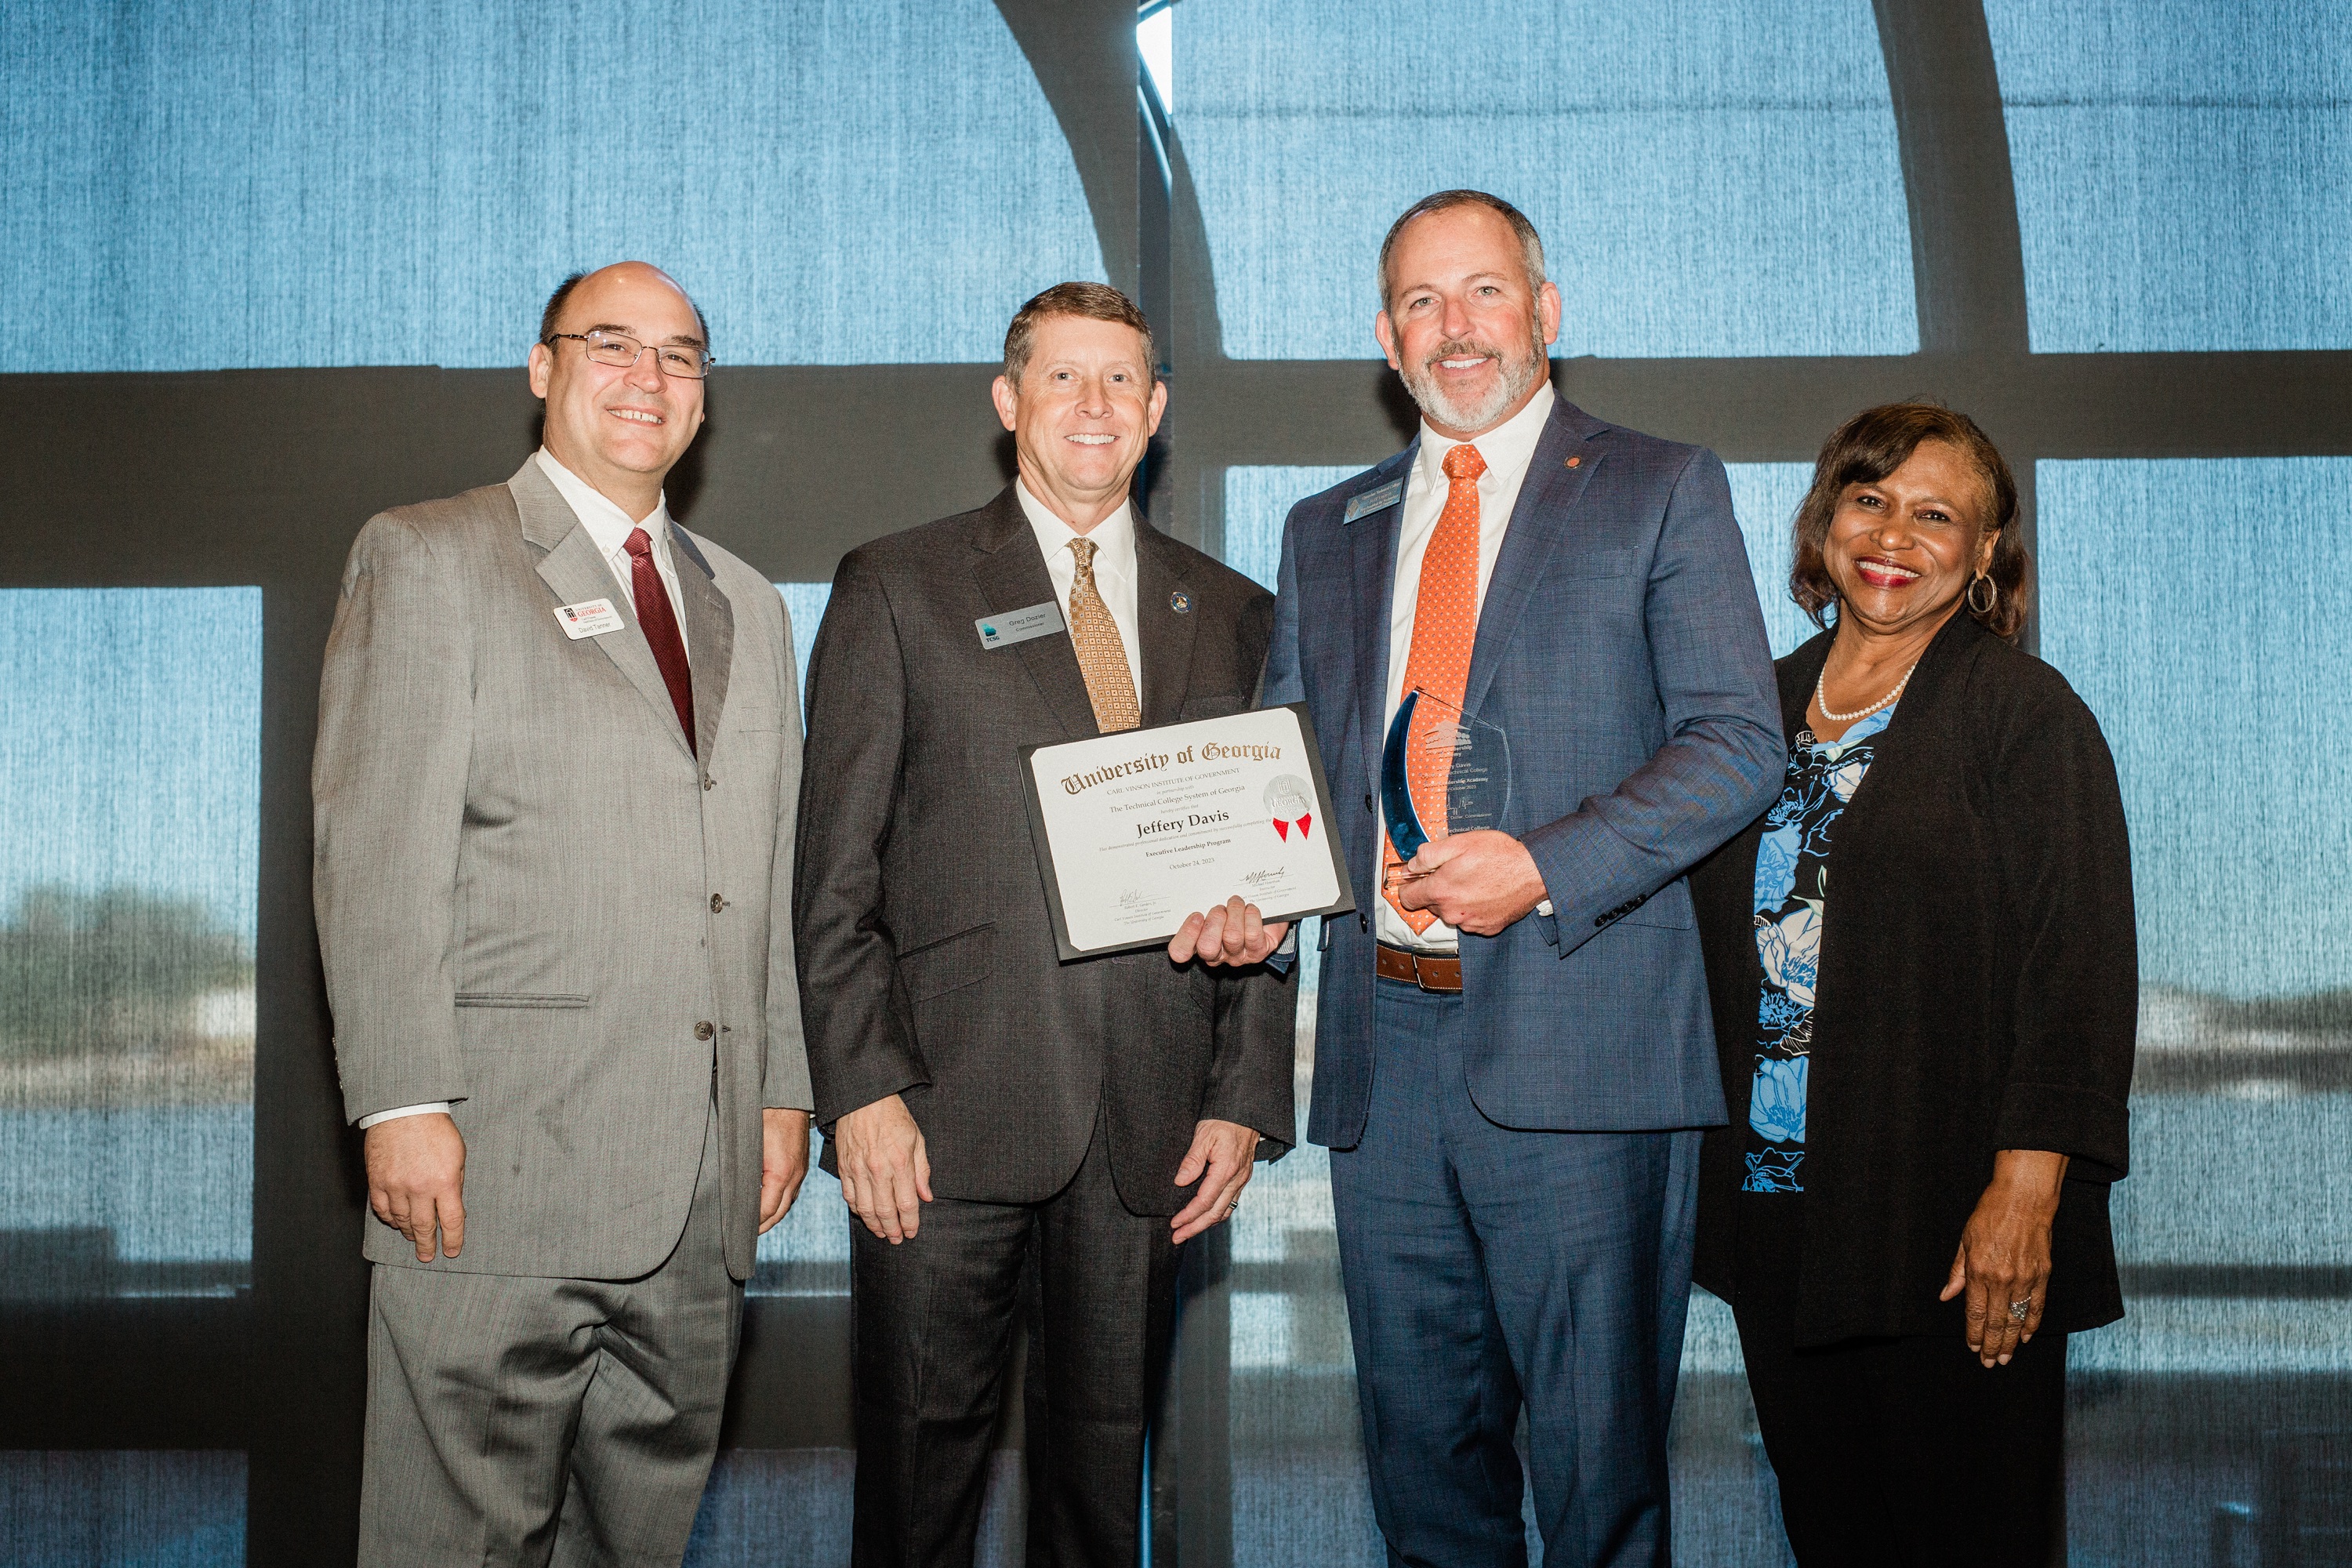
<point>1040,840</point>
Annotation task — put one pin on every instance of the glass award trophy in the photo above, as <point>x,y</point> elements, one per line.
<point>1434,742</point>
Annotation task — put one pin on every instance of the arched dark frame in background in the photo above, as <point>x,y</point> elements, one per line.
<point>262,477</point>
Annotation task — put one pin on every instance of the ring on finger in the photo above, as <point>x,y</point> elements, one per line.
<point>2019,1309</point>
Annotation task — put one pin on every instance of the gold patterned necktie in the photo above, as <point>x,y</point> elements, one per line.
<point>1102,655</point>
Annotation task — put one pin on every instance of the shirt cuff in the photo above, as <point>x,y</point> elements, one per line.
<point>1544,908</point>
<point>427,1109</point>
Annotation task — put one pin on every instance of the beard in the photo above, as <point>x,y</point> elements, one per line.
<point>1516,376</point>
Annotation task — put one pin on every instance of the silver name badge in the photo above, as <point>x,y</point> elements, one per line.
<point>1036,621</point>
<point>1375,500</point>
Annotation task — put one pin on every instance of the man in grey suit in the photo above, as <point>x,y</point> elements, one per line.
<point>558,747</point>
<point>988,1105</point>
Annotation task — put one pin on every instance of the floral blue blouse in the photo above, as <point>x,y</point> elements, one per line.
<point>1792,885</point>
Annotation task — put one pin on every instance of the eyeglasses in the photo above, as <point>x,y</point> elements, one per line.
<point>621,351</point>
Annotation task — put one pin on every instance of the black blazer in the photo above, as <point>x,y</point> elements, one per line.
<point>925,953</point>
<point>1977,991</point>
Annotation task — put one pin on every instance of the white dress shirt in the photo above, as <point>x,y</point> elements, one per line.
<point>1508,448</point>
<point>1115,570</point>
<point>610,528</point>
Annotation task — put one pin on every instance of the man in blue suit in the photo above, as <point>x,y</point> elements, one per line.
<point>1513,1056</point>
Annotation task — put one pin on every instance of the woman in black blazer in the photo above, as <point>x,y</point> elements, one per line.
<point>1938,914</point>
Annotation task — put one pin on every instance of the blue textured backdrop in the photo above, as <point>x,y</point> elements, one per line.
<point>2182,168</point>
<point>216,184</point>
<point>1709,177</point>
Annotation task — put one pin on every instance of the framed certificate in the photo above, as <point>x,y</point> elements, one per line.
<point>1137,830</point>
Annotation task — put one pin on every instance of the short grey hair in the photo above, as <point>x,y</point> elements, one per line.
<point>1531,252</point>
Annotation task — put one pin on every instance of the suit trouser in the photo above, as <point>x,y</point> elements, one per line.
<point>934,1320</point>
<point>1489,1270</point>
<point>1903,1452</point>
<point>520,1420</point>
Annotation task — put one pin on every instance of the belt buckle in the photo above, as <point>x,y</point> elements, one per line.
<point>1421,968</point>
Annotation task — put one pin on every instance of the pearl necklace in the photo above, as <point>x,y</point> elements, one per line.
<point>1834,717</point>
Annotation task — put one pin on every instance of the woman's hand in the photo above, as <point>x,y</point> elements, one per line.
<point>2003,1262</point>
<point>1221,1159</point>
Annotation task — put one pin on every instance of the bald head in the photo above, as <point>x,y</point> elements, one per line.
<point>550,318</point>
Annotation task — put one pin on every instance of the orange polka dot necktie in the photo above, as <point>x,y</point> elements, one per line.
<point>1444,628</point>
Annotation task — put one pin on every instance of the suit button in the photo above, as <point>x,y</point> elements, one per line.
<point>716,903</point>
<point>703,1030</point>
<point>1363,922</point>
<point>1368,803</point>
<point>708,781</point>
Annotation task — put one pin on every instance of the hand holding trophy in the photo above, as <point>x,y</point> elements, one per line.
<point>1442,772</point>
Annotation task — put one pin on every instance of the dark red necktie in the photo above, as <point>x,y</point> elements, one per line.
<point>660,626</point>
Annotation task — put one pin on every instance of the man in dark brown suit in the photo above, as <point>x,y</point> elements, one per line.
<point>984,1101</point>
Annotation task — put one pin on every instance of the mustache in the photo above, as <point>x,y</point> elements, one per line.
<point>1464,348</point>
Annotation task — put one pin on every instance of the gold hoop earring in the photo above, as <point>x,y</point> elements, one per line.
<point>1981,611</point>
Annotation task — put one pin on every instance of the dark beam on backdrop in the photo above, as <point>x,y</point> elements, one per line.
<point>308,1385</point>
<point>156,1373</point>
<point>266,476</point>
<point>1778,410</point>
<point>1083,53</point>
<point>1156,286</point>
<point>1966,262</point>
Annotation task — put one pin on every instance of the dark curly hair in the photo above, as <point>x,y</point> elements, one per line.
<point>1873,445</point>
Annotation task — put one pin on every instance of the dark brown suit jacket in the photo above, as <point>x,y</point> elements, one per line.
<point>926,954</point>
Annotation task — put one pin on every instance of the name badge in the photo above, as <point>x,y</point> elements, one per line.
<point>1036,621</point>
<point>1371,501</point>
<point>589,619</point>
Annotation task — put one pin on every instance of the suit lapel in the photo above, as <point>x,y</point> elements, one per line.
<point>575,569</point>
<point>1372,548</point>
<point>1165,632</point>
<point>1539,522</point>
<point>1011,576</point>
<point>709,636</point>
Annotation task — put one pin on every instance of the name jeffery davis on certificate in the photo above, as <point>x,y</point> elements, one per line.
<point>1138,829</point>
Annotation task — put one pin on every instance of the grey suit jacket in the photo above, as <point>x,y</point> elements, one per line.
<point>531,898</point>
<point>927,963</point>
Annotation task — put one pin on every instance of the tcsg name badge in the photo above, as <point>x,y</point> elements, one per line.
<point>1373,501</point>
<point>1020,625</point>
<point>588,618</point>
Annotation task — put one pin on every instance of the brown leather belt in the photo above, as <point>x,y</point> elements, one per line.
<point>1430,971</point>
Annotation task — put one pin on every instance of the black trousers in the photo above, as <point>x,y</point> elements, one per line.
<point>933,1327</point>
<point>1898,1453</point>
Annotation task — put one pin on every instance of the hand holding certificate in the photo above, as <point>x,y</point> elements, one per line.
<point>1137,830</point>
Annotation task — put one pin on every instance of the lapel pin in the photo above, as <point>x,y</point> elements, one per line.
<point>1180,603</point>
<point>1576,462</point>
